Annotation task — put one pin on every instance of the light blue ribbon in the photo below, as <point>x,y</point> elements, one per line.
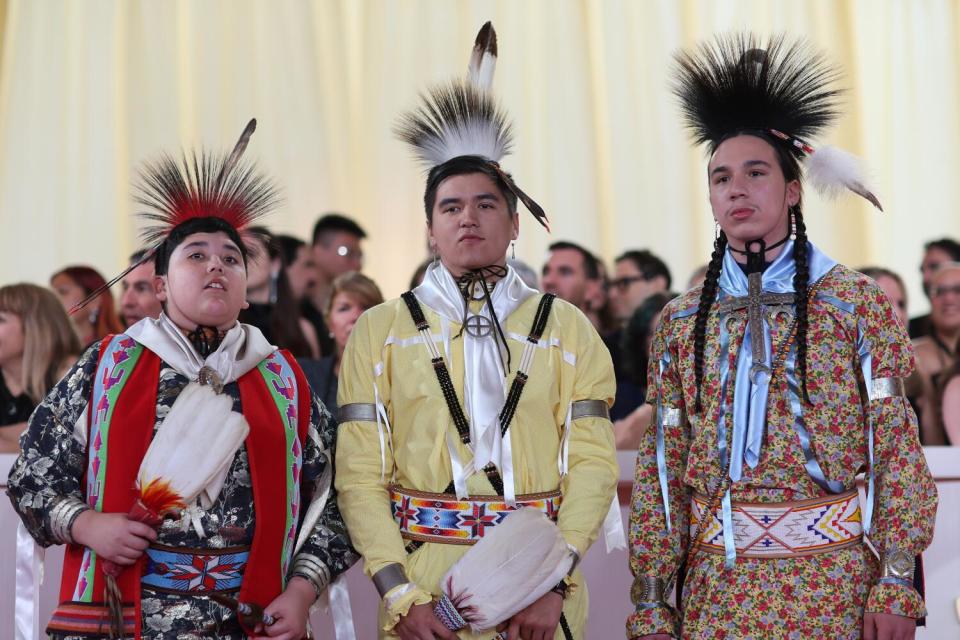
<point>866,367</point>
<point>751,387</point>
<point>661,446</point>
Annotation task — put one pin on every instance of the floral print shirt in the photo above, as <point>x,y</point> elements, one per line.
<point>845,307</point>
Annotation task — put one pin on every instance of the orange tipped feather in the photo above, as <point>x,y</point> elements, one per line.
<point>159,498</point>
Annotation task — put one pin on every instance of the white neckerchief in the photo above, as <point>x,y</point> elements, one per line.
<point>484,385</point>
<point>242,348</point>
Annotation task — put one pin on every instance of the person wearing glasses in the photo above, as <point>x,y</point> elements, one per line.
<point>638,274</point>
<point>336,250</point>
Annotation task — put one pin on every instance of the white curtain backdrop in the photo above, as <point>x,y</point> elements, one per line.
<point>90,89</point>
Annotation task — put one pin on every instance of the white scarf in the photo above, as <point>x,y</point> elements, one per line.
<point>242,348</point>
<point>485,388</point>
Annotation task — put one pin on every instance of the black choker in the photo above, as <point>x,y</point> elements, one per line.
<point>206,340</point>
<point>756,260</point>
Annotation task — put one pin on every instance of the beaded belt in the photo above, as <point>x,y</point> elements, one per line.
<point>784,529</point>
<point>441,517</point>
<point>185,570</point>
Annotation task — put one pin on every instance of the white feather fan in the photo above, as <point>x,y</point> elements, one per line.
<point>518,562</point>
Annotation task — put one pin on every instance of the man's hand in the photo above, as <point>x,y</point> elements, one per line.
<point>113,536</point>
<point>421,624</point>
<point>887,626</point>
<point>538,621</point>
<point>290,611</point>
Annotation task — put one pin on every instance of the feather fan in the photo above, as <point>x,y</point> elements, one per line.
<point>518,562</point>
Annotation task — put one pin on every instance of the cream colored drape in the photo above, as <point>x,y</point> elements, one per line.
<point>90,89</point>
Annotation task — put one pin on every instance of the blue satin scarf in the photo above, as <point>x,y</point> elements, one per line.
<point>752,385</point>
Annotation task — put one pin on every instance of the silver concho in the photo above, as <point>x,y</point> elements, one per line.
<point>211,378</point>
<point>479,326</point>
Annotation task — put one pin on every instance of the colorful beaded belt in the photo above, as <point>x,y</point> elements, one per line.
<point>784,529</point>
<point>185,570</point>
<point>441,517</point>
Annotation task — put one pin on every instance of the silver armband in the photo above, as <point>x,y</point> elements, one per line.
<point>881,388</point>
<point>389,577</point>
<point>590,409</point>
<point>312,569</point>
<point>647,591</point>
<point>898,565</point>
<point>671,416</point>
<point>62,516</point>
<point>357,412</point>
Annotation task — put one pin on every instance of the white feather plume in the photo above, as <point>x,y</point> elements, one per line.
<point>195,444</point>
<point>483,59</point>
<point>512,566</point>
<point>832,170</point>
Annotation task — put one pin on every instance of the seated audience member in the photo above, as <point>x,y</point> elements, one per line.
<point>351,295</point>
<point>297,260</point>
<point>698,276</point>
<point>638,274</point>
<point>573,274</point>
<point>99,318</point>
<point>637,336</point>
<point>138,297</point>
<point>935,254</point>
<point>336,250</point>
<point>950,406</point>
<point>270,305</point>
<point>892,285</point>
<point>936,353</point>
<point>37,346</point>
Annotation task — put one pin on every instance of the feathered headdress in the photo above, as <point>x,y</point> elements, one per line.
<point>204,186</point>
<point>462,118</point>
<point>197,186</point>
<point>786,90</point>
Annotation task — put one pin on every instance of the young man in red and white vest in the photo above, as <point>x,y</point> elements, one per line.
<point>264,531</point>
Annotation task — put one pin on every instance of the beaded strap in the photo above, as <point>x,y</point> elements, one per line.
<point>450,393</point>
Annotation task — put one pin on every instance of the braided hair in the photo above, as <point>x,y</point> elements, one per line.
<point>790,166</point>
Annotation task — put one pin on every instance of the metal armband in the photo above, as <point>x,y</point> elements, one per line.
<point>313,570</point>
<point>898,567</point>
<point>672,416</point>
<point>881,388</point>
<point>389,577</point>
<point>357,412</point>
<point>62,516</point>
<point>590,409</point>
<point>647,592</point>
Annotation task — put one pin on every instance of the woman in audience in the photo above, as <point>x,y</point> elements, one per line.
<point>635,346</point>
<point>892,286</point>
<point>353,293</point>
<point>37,346</point>
<point>99,318</point>
<point>937,352</point>
<point>272,306</point>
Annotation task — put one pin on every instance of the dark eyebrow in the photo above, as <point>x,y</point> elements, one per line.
<point>748,163</point>
<point>206,245</point>
<point>447,201</point>
<point>487,196</point>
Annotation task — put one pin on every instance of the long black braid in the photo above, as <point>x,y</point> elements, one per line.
<point>801,282</point>
<point>707,296</point>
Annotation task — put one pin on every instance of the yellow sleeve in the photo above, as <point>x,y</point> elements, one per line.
<point>360,462</point>
<point>591,481</point>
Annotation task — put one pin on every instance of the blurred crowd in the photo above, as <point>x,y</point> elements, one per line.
<point>305,295</point>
